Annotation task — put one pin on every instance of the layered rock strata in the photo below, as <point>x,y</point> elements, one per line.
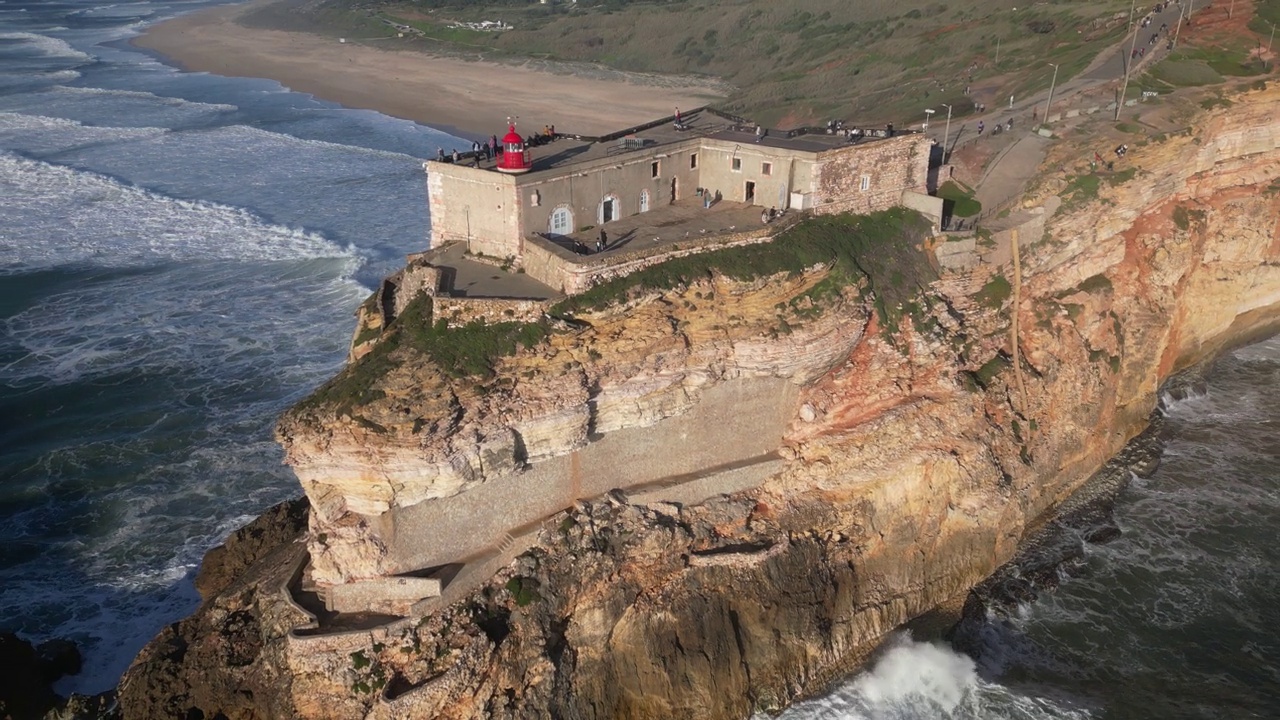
<point>917,457</point>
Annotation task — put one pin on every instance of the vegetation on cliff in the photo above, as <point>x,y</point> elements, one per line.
<point>880,253</point>
<point>882,248</point>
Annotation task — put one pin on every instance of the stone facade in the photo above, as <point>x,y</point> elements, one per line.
<point>497,214</point>
<point>873,179</point>
<point>556,268</point>
<point>462,310</point>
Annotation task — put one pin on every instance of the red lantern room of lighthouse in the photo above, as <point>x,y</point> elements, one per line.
<point>515,157</point>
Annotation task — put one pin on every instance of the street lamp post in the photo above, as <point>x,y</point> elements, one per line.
<point>946,134</point>
<point>1052,83</point>
<point>1273,37</point>
<point>928,112</point>
<point>1128,65</point>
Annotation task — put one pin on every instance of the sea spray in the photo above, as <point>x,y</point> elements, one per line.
<point>911,680</point>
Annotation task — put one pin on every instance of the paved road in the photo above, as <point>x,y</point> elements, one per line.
<point>1113,67</point>
<point>1009,172</point>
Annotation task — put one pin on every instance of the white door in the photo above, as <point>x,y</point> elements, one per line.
<point>644,201</point>
<point>561,221</point>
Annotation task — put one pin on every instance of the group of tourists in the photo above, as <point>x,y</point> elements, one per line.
<point>490,149</point>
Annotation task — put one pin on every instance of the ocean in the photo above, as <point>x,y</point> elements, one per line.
<point>180,258</point>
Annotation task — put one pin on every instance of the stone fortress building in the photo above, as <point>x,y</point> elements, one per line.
<point>659,191</point>
<point>576,185</point>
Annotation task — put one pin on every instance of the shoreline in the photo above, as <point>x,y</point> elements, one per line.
<point>403,83</point>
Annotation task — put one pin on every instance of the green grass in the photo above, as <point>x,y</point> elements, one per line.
<point>1122,177</point>
<point>1185,73</point>
<point>872,62</point>
<point>880,247</point>
<point>1266,14</point>
<point>962,201</point>
<point>986,375</point>
<point>1095,284</point>
<point>1080,190</point>
<point>467,351</point>
<point>995,292</point>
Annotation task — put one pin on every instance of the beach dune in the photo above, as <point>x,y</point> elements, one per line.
<point>467,98</point>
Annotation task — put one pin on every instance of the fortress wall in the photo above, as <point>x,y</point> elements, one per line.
<point>789,171</point>
<point>473,206</point>
<point>416,278</point>
<point>460,311</point>
<point>545,263</point>
<point>892,166</point>
<point>583,189</point>
<point>736,421</point>
<point>553,267</point>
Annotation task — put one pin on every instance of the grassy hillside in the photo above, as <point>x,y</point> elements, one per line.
<point>877,60</point>
<point>872,61</point>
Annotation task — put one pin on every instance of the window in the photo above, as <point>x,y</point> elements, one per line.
<point>693,161</point>
<point>644,201</point>
<point>866,183</point>
<point>766,168</point>
<point>535,198</point>
<point>654,168</point>
<point>737,165</point>
<point>561,221</point>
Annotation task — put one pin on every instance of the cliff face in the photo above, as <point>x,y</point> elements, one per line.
<point>916,457</point>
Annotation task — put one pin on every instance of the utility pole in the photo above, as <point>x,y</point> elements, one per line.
<point>1128,64</point>
<point>1273,37</point>
<point>946,134</point>
<point>997,51</point>
<point>1052,83</point>
<point>1177,30</point>
<point>1231,8</point>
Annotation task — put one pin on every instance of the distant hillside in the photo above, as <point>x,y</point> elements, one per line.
<point>874,61</point>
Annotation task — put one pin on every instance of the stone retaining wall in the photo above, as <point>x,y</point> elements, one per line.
<point>459,311</point>
<point>556,267</point>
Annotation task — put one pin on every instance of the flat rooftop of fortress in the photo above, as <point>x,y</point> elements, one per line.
<point>569,150</point>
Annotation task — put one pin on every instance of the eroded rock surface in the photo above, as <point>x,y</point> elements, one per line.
<point>917,460</point>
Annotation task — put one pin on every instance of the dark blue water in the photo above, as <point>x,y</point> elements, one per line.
<point>1179,618</point>
<point>180,258</point>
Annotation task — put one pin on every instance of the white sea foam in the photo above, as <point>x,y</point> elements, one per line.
<point>96,107</point>
<point>146,97</point>
<point>43,134</point>
<point>116,11</point>
<point>45,46</point>
<point>59,216</point>
<point>912,680</point>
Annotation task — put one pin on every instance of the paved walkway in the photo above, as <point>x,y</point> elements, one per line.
<point>477,279</point>
<point>1006,175</point>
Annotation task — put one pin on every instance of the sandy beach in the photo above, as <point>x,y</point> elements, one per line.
<point>468,98</point>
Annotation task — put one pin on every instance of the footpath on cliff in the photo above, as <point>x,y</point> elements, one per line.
<point>1013,156</point>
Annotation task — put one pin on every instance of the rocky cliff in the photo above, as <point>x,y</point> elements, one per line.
<point>922,444</point>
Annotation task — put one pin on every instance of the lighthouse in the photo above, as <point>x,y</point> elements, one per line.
<point>515,157</point>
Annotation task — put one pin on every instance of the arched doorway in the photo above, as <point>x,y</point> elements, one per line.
<point>561,221</point>
<point>644,200</point>
<point>608,210</point>
<point>675,189</point>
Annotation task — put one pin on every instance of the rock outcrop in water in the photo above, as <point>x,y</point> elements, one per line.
<point>915,458</point>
